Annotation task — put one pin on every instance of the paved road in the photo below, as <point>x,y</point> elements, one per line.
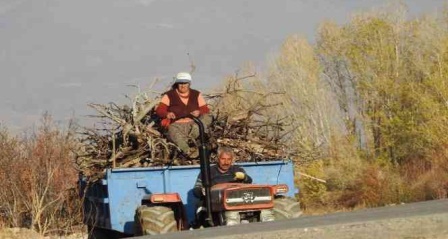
<point>413,210</point>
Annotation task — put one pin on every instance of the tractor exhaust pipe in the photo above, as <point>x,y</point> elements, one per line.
<point>205,170</point>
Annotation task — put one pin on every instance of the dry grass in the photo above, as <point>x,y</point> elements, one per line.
<point>353,182</point>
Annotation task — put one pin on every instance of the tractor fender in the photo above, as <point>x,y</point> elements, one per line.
<point>157,198</point>
<point>171,200</point>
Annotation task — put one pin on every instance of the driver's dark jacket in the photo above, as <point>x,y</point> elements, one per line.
<point>217,177</point>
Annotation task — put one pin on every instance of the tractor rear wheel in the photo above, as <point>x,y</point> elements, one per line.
<point>155,220</point>
<point>286,207</point>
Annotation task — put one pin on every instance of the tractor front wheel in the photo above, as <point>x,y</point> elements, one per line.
<point>286,207</point>
<point>155,220</point>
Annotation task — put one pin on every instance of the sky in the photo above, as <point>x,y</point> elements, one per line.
<point>57,56</point>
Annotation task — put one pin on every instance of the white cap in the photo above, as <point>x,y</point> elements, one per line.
<point>183,77</point>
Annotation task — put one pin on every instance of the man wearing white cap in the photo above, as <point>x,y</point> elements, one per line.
<point>175,108</point>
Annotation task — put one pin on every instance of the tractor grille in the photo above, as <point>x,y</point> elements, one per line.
<point>248,196</point>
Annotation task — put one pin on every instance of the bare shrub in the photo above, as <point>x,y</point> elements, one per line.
<point>40,178</point>
<point>427,180</point>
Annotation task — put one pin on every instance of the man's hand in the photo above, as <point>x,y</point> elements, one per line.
<point>170,115</point>
<point>239,176</point>
<point>195,113</point>
<point>203,191</point>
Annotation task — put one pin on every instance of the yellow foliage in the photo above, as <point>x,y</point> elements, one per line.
<point>388,74</point>
<point>312,191</point>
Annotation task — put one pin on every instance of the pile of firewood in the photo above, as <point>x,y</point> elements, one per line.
<point>131,135</point>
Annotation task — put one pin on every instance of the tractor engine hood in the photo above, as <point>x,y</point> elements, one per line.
<point>239,196</point>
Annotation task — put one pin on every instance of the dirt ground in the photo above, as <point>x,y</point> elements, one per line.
<point>24,233</point>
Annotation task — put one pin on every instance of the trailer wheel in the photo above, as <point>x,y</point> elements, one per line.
<point>155,220</point>
<point>286,207</point>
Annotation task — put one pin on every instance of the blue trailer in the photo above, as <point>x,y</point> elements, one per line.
<point>110,203</point>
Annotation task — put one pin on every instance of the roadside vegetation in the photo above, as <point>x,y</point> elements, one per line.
<point>38,179</point>
<point>369,108</point>
<point>371,102</point>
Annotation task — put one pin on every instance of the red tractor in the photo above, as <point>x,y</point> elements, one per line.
<point>235,203</point>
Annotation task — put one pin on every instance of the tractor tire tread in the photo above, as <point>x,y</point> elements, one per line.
<point>286,208</point>
<point>156,220</point>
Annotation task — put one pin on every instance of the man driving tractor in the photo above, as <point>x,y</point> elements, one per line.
<point>222,172</point>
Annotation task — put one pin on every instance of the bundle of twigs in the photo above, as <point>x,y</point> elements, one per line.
<point>131,136</point>
<point>247,120</point>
